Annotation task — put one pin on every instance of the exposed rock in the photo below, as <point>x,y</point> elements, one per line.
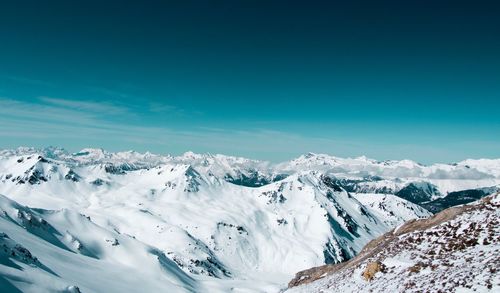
<point>457,198</point>
<point>71,175</point>
<point>98,182</point>
<point>418,192</point>
<point>73,289</point>
<point>453,247</point>
<point>372,268</point>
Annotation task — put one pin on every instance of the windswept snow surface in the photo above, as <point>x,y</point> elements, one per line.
<point>107,222</point>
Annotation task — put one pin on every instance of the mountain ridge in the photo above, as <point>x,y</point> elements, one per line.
<point>226,222</point>
<point>439,245</point>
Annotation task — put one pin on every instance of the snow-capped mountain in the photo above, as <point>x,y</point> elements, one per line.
<point>353,174</point>
<point>367,175</point>
<point>453,251</point>
<point>202,222</point>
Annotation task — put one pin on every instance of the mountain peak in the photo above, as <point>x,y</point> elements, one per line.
<point>97,153</point>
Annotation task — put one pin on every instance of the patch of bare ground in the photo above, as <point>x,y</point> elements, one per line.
<point>435,246</point>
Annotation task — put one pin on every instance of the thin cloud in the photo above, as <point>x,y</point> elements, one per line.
<point>14,109</point>
<point>60,120</point>
<point>51,123</point>
<point>30,81</point>
<point>109,92</point>
<point>161,108</point>
<point>91,106</point>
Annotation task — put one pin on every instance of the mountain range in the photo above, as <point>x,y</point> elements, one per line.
<point>98,221</point>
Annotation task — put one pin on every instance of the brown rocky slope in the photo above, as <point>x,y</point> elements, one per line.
<point>456,248</point>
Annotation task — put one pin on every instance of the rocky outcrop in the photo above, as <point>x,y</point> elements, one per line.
<point>372,268</point>
<point>418,192</point>
<point>456,248</point>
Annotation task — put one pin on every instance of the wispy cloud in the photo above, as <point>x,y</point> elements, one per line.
<point>162,108</point>
<point>29,81</point>
<point>15,109</point>
<point>108,92</point>
<point>81,124</point>
<point>59,120</point>
<point>91,106</point>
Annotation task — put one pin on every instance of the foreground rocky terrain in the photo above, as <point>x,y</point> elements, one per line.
<point>456,250</point>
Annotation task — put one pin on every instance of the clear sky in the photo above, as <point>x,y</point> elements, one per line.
<point>263,79</point>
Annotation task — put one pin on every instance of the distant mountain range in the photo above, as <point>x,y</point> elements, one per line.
<point>203,222</point>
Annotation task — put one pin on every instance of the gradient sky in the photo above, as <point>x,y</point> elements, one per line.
<point>263,79</point>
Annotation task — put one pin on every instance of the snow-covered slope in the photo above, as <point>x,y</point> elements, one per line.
<point>454,251</point>
<point>64,251</point>
<point>208,222</point>
<point>189,210</point>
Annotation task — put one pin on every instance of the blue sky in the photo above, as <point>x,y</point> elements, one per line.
<point>263,79</point>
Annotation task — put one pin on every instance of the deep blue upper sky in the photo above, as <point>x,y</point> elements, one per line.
<point>263,79</point>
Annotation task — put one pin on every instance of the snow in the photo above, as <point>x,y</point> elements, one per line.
<point>468,174</point>
<point>126,220</point>
<point>458,255</point>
